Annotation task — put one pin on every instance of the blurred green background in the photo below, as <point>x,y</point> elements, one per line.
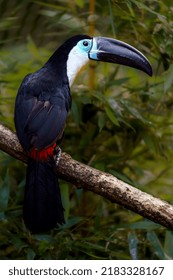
<point>121,122</point>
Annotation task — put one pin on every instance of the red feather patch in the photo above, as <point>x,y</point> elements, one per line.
<point>42,155</point>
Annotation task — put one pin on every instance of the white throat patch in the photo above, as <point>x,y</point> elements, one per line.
<point>76,59</point>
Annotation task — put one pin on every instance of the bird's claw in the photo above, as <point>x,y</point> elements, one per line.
<point>57,155</point>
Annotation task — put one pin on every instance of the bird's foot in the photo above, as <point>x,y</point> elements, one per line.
<point>57,155</point>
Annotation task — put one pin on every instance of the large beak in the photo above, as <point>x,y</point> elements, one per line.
<point>115,51</point>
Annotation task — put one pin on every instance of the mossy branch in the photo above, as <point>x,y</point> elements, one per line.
<point>98,182</point>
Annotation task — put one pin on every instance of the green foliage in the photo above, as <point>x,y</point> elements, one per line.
<point>122,126</point>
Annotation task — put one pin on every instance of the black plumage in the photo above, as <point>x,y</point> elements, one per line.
<point>40,114</point>
<point>41,109</point>
<point>42,208</point>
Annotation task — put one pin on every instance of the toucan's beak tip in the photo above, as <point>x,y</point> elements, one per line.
<point>146,67</point>
<point>150,71</point>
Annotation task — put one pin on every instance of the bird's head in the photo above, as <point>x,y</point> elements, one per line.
<point>79,49</point>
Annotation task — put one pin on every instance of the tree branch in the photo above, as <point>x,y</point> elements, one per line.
<point>99,182</point>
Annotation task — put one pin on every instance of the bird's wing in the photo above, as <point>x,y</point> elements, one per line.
<point>40,119</point>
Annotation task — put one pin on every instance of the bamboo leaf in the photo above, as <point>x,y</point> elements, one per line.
<point>80,3</point>
<point>101,121</point>
<point>4,192</point>
<point>133,245</point>
<point>168,78</point>
<point>157,247</point>
<point>168,245</point>
<point>111,116</point>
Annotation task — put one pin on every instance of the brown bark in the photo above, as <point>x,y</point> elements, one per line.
<point>99,182</point>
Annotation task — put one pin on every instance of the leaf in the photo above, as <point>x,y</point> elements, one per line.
<point>30,254</point>
<point>157,247</point>
<point>98,215</point>
<point>133,245</point>
<point>119,82</point>
<point>111,116</point>
<point>4,192</point>
<point>71,222</point>
<point>75,112</point>
<point>134,112</point>
<point>168,78</point>
<point>65,199</point>
<point>150,141</point>
<point>44,237</point>
<point>99,96</point>
<point>80,3</point>
<point>145,7</point>
<point>168,245</point>
<point>101,121</point>
<point>33,49</point>
<point>146,225</point>
<point>121,176</point>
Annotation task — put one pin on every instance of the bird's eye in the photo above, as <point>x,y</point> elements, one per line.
<point>85,43</point>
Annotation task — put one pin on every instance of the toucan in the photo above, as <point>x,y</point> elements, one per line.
<point>41,110</point>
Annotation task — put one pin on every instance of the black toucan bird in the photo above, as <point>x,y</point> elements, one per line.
<point>41,109</point>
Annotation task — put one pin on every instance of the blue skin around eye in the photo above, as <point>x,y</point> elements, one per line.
<point>82,48</point>
<point>91,49</point>
<point>94,50</point>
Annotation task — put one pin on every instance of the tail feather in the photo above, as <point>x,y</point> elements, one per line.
<point>42,208</point>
